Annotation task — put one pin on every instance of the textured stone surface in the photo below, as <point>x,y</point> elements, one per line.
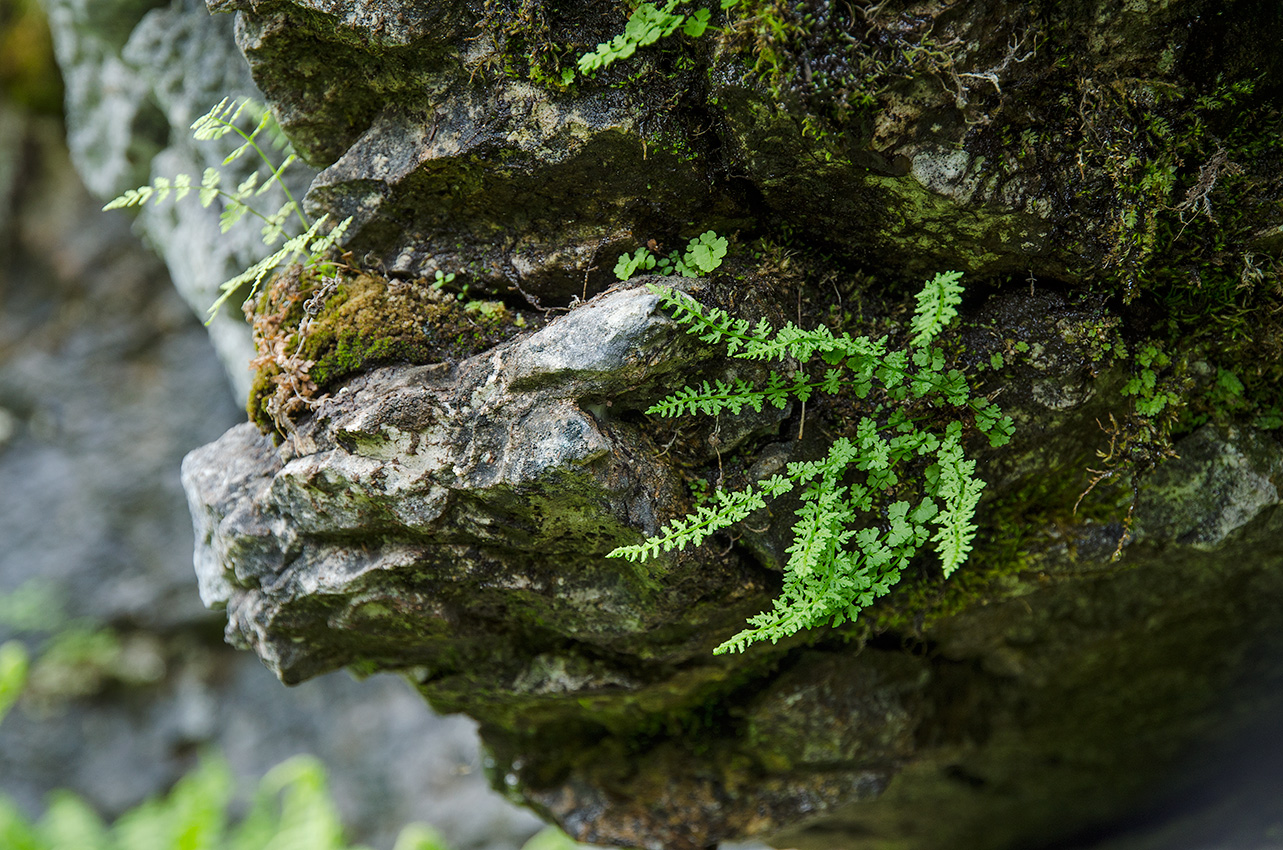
<point>372,537</point>
<point>504,453</point>
<point>447,519</point>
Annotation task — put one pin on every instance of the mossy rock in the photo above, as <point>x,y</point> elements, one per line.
<point>312,332</point>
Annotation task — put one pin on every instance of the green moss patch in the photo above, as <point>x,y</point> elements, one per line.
<point>311,333</point>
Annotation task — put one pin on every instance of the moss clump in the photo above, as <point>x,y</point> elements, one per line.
<point>537,41</point>
<point>313,332</point>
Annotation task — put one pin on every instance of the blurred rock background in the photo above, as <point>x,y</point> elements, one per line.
<point>106,380</point>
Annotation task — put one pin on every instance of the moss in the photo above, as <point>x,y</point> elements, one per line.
<point>308,343</point>
<point>535,40</point>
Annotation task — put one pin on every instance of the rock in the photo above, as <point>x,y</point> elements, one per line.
<point>501,453</point>
<point>1107,182</point>
<point>396,530</point>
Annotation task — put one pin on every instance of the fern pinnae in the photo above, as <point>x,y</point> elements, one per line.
<point>835,568</point>
<point>938,303</point>
<point>217,123</point>
<point>956,486</point>
<point>695,528</point>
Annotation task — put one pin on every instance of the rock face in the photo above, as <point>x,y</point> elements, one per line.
<point>1106,174</point>
<point>137,74</point>
<point>541,471</point>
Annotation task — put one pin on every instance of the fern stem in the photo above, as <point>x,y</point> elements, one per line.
<point>276,175</point>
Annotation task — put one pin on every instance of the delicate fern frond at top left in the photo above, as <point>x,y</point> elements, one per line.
<point>835,568</point>
<point>309,246</point>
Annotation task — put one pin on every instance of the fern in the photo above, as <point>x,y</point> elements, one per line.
<point>309,246</point>
<point>646,25</point>
<point>835,568</point>
<point>937,306</point>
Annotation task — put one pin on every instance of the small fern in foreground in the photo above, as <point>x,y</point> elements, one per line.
<point>851,541</point>
<point>310,246</point>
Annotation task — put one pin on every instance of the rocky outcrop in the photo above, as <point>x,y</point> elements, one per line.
<point>1112,203</point>
<point>450,522</point>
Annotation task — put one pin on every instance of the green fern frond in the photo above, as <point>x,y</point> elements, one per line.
<point>158,190</point>
<point>835,567</point>
<point>712,400</point>
<point>209,186</point>
<point>310,245</point>
<point>215,124</point>
<point>953,481</point>
<point>628,266</point>
<point>937,306</point>
<point>219,121</point>
<point>692,530</point>
<point>645,26</point>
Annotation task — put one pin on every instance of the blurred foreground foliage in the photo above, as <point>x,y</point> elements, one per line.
<point>291,810</point>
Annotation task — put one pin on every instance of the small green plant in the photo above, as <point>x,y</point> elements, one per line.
<point>1151,398</point>
<point>309,246</point>
<point>647,25</point>
<point>13,674</point>
<point>292,808</point>
<point>703,255</point>
<point>853,537</point>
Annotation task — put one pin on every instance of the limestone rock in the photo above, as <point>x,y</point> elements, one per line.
<point>449,519</point>
<point>137,76</point>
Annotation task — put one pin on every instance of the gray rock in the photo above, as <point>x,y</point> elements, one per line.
<point>447,520</point>
<point>496,454</point>
<point>137,76</point>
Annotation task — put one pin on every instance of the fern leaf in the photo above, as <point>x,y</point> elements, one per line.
<point>159,189</point>
<point>238,152</point>
<point>710,399</point>
<point>274,227</point>
<point>233,212</point>
<point>209,186</point>
<point>955,484</point>
<point>319,246</point>
<point>308,244</point>
<point>816,531</point>
<point>692,530</point>
<point>246,188</point>
<point>219,121</point>
<point>276,175</point>
<point>937,306</point>
<point>706,251</point>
